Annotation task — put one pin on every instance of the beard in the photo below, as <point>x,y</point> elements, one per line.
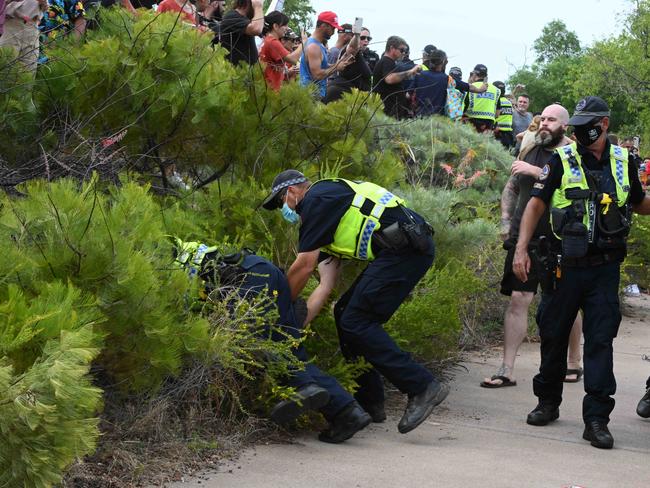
<point>547,138</point>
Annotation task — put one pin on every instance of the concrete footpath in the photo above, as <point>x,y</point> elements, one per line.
<point>476,438</point>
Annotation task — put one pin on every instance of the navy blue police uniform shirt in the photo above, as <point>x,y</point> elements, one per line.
<point>551,177</point>
<point>322,209</point>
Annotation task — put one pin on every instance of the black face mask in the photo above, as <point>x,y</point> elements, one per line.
<point>587,134</point>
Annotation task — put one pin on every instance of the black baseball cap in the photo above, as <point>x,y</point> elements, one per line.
<point>589,109</point>
<point>428,50</point>
<point>480,70</point>
<point>283,180</point>
<point>456,72</point>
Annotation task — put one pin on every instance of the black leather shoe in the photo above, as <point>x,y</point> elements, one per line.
<point>310,397</point>
<point>347,423</point>
<point>542,415</point>
<point>643,408</point>
<point>419,407</point>
<point>376,411</point>
<point>598,434</point>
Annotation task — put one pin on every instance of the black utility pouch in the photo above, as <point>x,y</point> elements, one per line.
<point>558,219</point>
<point>575,240</point>
<point>392,237</point>
<point>418,235</point>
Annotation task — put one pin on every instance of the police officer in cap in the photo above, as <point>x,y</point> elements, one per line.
<point>254,276</point>
<point>591,188</point>
<point>363,221</point>
<point>503,129</point>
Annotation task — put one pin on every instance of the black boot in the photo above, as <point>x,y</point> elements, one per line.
<point>376,411</point>
<point>543,414</point>
<point>419,407</point>
<point>598,434</point>
<point>643,408</point>
<point>346,423</point>
<point>309,397</point>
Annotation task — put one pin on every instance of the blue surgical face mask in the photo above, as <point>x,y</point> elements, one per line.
<point>290,215</point>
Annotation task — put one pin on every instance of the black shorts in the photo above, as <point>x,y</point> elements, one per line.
<point>482,125</point>
<point>510,282</point>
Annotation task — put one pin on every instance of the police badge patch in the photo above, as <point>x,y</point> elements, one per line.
<point>581,105</point>
<point>546,170</point>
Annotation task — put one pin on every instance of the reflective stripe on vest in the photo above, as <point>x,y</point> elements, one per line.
<point>574,177</point>
<point>504,120</point>
<point>190,255</point>
<point>353,236</point>
<point>483,105</point>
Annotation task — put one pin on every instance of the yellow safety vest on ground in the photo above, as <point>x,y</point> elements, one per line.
<point>353,236</point>
<point>504,120</point>
<point>483,105</point>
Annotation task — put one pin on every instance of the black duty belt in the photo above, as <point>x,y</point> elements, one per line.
<point>595,259</point>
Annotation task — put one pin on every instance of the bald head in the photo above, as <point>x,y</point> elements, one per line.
<point>557,112</point>
<point>552,125</point>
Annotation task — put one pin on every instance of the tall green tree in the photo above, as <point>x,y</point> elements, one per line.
<point>556,42</point>
<point>300,12</point>
<point>549,79</point>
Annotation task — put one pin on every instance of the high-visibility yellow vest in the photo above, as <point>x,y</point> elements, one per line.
<point>483,105</point>
<point>353,236</point>
<point>574,177</point>
<point>504,120</point>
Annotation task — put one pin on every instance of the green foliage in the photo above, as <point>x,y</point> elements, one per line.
<point>47,412</point>
<point>439,153</point>
<point>637,263</point>
<point>18,120</point>
<point>110,246</point>
<point>429,323</point>
<point>300,13</point>
<point>556,41</point>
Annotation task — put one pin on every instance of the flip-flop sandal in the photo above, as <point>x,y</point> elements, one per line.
<point>578,372</point>
<point>505,381</point>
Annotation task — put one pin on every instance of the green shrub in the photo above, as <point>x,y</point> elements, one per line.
<point>429,323</point>
<point>48,412</point>
<point>636,264</point>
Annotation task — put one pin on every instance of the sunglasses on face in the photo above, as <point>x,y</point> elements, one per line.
<point>365,38</point>
<point>403,50</point>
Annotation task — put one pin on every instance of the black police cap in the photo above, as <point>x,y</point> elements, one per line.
<point>589,109</point>
<point>283,180</point>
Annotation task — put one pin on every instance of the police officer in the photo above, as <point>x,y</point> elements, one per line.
<point>503,129</point>
<point>362,221</point>
<point>481,108</point>
<point>251,275</point>
<point>591,188</point>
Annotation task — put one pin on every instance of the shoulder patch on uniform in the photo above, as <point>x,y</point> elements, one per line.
<point>539,186</point>
<point>546,170</point>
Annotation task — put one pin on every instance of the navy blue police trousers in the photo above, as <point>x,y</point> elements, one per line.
<point>260,276</point>
<point>595,291</point>
<point>363,309</point>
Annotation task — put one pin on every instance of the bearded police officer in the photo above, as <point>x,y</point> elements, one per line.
<point>591,187</point>
<point>362,221</point>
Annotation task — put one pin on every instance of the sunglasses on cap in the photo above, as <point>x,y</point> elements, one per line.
<point>365,38</point>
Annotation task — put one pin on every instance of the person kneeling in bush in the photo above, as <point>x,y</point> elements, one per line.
<point>251,275</point>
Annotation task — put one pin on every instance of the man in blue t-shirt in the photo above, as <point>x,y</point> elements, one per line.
<point>314,68</point>
<point>429,87</point>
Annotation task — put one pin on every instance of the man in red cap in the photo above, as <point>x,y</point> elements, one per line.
<point>314,67</point>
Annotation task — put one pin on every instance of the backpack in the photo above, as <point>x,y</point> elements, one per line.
<point>454,104</point>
